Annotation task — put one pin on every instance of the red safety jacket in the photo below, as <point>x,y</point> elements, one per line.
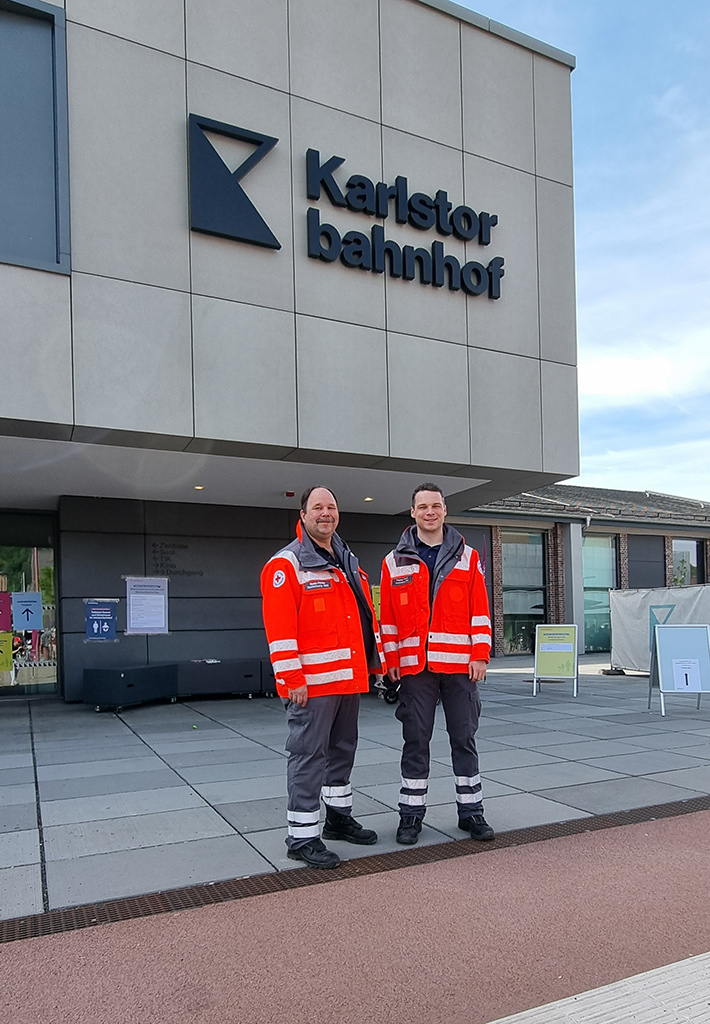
<point>447,637</point>
<point>312,620</point>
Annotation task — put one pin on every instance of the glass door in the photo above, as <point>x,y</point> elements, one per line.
<point>28,621</point>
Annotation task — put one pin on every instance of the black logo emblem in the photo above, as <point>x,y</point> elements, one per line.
<point>218,203</point>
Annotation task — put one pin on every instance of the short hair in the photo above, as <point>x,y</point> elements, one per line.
<point>427,486</point>
<point>309,491</point>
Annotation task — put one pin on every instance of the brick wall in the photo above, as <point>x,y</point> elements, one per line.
<point>623,561</point>
<point>555,575</point>
<point>668,553</point>
<point>497,610</point>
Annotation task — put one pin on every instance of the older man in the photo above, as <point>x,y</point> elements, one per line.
<point>324,643</point>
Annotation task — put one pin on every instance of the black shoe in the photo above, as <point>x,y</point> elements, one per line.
<point>477,827</point>
<point>344,826</point>
<point>316,855</point>
<point>409,829</point>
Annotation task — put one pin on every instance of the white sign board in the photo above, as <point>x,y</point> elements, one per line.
<point>636,613</point>
<point>146,605</point>
<point>680,661</point>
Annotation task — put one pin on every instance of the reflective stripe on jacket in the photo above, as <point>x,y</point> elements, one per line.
<point>312,620</point>
<point>457,630</point>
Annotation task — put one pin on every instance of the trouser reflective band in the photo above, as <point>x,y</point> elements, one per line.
<point>338,797</point>
<point>469,798</point>
<point>322,738</point>
<point>461,704</point>
<point>303,824</point>
<point>412,797</point>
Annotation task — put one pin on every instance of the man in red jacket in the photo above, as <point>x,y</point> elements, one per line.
<point>324,643</point>
<point>436,631</point>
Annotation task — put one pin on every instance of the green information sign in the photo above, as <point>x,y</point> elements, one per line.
<point>555,654</point>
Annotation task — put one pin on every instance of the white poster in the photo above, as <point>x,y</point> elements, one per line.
<point>146,605</point>
<point>686,674</point>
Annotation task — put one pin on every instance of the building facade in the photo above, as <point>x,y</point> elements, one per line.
<point>556,552</point>
<point>245,247</point>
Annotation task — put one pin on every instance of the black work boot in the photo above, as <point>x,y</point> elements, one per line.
<point>344,826</point>
<point>477,827</point>
<point>409,828</point>
<point>316,855</point>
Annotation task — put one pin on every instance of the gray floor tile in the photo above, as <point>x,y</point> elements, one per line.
<point>669,741</point>
<point>16,777</point>
<point>547,776</point>
<point>378,755</point>
<point>533,739</point>
<point>586,749</point>
<point>18,848</point>
<point>82,839</point>
<point>18,817</point>
<point>691,778</point>
<point>15,760</point>
<point>233,772</point>
<point>24,793</point>
<point>618,795</point>
<point>525,810</point>
<point>75,753</point>
<point>20,891</point>
<point>192,745</point>
<point>99,785</point>
<point>511,757</point>
<point>84,769</point>
<point>242,789</point>
<point>379,774</point>
<point>702,752</point>
<point>118,805</point>
<point>195,758</point>
<point>127,873</point>
<point>255,815</point>
<point>647,762</point>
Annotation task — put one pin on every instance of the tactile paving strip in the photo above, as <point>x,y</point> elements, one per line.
<point>190,897</point>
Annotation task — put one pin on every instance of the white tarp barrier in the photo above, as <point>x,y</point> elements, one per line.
<point>634,613</point>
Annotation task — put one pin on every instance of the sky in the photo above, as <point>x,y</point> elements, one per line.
<point>641,123</point>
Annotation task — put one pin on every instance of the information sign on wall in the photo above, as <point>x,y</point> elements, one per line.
<point>146,605</point>
<point>100,617</point>
<point>27,611</point>
<point>5,612</point>
<point>5,652</point>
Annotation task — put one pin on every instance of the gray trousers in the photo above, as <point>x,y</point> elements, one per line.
<point>418,695</point>
<point>321,744</point>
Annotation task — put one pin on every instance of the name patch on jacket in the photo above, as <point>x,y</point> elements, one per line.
<point>319,585</point>
<point>401,581</point>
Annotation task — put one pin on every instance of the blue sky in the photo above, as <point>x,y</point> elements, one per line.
<point>641,114</point>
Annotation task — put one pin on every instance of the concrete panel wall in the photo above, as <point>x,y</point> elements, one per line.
<point>199,328</point>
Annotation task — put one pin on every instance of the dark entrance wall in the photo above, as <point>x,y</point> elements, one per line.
<point>212,555</point>
<point>647,565</point>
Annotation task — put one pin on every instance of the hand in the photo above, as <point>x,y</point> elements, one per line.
<point>476,671</point>
<point>393,674</point>
<point>299,696</point>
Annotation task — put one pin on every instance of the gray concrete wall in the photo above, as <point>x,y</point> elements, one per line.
<point>174,338</point>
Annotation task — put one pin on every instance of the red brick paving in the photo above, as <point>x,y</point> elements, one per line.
<point>467,940</point>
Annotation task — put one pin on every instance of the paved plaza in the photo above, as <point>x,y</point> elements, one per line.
<point>98,806</point>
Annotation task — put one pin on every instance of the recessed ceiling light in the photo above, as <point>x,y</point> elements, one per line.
<point>199,487</point>
<point>368,499</point>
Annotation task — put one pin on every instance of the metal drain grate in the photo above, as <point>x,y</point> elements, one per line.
<point>191,897</point>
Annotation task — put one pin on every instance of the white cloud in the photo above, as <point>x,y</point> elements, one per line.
<point>681,469</point>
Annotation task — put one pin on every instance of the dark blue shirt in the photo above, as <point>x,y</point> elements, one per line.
<point>429,556</point>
